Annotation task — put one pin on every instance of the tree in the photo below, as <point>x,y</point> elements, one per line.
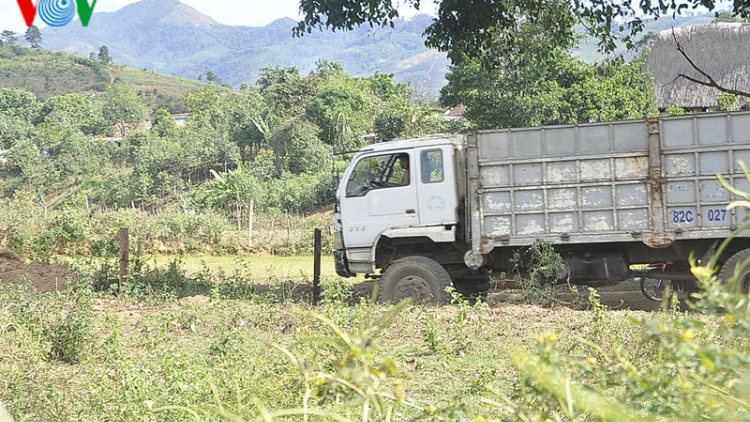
<point>468,27</point>
<point>8,38</point>
<point>329,70</point>
<point>342,110</point>
<point>299,148</point>
<point>104,56</point>
<point>164,124</point>
<point>36,171</point>
<point>73,110</point>
<point>34,36</point>
<point>214,78</point>
<point>248,121</point>
<point>286,90</point>
<point>727,16</point>
<point>123,109</point>
<point>559,91</point>
<point>17,110</point>
<point>78,155</point>
<point>13,129</point>
<point>239,189</point>
<point>17,102</point>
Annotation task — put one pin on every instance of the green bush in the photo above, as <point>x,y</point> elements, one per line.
<point>22,222</point>
<point>177,225</point>
<point>70,229</point>
<point>675,111</point>
<point>727,102</point>
<point>68,333</point>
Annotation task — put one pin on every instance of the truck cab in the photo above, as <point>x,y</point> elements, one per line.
<point>402,192</point>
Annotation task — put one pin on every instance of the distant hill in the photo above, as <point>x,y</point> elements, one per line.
<point>48,73</point>
<point>170,37</point>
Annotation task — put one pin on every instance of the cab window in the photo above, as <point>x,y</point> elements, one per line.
<point>432,166</point>
<point>379,172</point>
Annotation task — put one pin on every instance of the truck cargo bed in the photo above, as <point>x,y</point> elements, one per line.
<point>651,181</point>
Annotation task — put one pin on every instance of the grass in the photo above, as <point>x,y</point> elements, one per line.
<point>195,352</point>
<point>47,73</point>
<point>261,267</point>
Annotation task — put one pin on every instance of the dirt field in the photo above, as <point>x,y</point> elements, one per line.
<point>43,277</point>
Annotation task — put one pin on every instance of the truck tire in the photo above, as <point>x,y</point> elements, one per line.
<point>417,278</point>
<point>736,263</point>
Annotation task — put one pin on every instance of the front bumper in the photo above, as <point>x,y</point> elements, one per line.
<point>342,264</point>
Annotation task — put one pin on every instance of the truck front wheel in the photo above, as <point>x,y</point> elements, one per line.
<point>417,278</point>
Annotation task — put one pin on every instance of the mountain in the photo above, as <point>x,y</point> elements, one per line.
<point>170,37</point>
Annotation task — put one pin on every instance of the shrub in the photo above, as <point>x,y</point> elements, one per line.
<point>727,102</point>
<point>177,225</point>
<point>675,111</point>
<point>68,333</point>
<point>70,230</point>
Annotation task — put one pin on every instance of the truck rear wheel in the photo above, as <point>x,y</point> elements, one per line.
<point>417,278</point>
<point>736,266</point>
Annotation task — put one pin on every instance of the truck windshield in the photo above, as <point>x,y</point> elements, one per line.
<point>378,172</point>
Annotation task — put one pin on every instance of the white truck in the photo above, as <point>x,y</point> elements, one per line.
<point>427,212</point>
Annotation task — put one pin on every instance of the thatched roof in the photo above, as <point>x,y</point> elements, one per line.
<point>720,49</point>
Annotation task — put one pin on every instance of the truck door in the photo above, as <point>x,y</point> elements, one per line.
<point>438,200</point>
<point>380,194</point>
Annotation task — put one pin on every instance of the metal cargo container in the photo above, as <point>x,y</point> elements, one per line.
<point>643,180</point>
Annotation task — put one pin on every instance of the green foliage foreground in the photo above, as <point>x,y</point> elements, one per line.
<point>241,351</point>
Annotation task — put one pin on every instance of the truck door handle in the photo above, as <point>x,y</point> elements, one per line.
<point>411,211</point>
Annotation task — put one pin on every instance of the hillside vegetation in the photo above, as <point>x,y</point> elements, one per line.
<point>48,73</point>
<point>78,167</point>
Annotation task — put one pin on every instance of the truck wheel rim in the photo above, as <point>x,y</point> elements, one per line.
<point>414,287</point>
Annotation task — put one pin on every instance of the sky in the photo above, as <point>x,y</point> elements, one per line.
<point>230,12</point>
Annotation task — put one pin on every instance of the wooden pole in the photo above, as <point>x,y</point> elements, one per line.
<point>124,254</point>
<point>316,267</point>
<point>250,220</point>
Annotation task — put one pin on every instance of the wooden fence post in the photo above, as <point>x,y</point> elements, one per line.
<point>124,254</point>
<point>316,267</point>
